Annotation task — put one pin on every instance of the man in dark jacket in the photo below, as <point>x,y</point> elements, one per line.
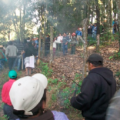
<point>96,91</point>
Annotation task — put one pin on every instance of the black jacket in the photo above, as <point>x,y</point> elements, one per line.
<point>96,91</point>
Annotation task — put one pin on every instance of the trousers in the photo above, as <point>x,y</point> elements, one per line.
<point>8,111</point>
<point>11,61</point>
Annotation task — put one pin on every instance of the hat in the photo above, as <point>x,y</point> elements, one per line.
<point>26,93</point>
<point>95,57</point>
<point>12,74</point>
<point>42,78</point>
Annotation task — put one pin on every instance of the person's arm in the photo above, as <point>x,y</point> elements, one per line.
<point>83,100</point>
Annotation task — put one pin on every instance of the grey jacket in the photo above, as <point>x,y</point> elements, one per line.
<point>11,51</point>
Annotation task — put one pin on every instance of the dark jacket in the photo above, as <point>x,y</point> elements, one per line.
<point>96,91</point>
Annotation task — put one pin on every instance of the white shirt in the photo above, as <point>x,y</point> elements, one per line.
<point>54,44</point>
<point>59,39</point>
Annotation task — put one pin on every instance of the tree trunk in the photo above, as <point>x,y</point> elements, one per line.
<point>98,27</point>
<point>118,8</point>
<point>51,45</point>
<point>39,44</point>
<point>85,27</point>
<point>20,25</point>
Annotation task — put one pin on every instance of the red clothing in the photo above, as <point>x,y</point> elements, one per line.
<point>5,92</point>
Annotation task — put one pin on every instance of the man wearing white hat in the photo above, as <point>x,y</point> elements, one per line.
<point>28,96</point>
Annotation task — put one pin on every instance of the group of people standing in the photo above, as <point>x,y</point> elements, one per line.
<point>60,43</point>
<point>92,31</point>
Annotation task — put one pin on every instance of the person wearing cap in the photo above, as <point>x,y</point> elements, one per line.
<point>8,108</point>
<point>28,96</point>
<point>96,91</point>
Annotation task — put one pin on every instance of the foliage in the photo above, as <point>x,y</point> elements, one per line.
<point>53,81</point>
<point>45,69</point>
<point>115,56</point>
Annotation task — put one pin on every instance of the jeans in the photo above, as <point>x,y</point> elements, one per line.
<point>11,61</point>
<point>94,35</point>
<point>113,31</point>
<point>64,49</point>
<point>8,111</point>
<point>17,63</point>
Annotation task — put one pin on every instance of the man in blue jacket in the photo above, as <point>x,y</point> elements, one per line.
<point>96,91</point>
<point>79,34</point>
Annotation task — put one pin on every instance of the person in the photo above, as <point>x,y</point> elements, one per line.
<point>89,31</point>
<point>54,46</point>
<point>65,42</point>
<point>73,43</point>
<point>113,112</point>
<point>59,42</point>
<point>7,107</point>
<point>29,58</point>
<point>28,39</point>
<point>79,34</point>
<point>11,52</point>
<point>94,32</point>
<point>96,91</point>
<point>113,25</point>
<point>28,96</point>
<point>47,45</point>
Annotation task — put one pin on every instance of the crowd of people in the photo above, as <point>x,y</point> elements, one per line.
<point>27,56</point>
<point>25,98</point>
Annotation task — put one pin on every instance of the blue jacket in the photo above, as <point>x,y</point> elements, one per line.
<point>79,33</point>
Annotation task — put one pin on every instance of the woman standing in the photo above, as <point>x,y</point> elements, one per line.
<point>29,58</point>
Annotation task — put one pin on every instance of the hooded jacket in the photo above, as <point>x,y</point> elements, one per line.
<point>96,91</point>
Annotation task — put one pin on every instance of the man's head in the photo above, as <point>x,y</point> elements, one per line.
<point>94,61</point>
<point>12,74</point>
<point>28,95</point>
<point>10,43</point>
<point>48,36</point>
<point>64,34</point>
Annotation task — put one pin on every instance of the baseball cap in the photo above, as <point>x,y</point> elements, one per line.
<point>42,78</point>
<point>95,57</point>
<point>26,93</point>
<point>12,74</point>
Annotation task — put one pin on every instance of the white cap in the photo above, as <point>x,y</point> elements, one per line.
<point>26,93</point>
<point>42,78</point>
